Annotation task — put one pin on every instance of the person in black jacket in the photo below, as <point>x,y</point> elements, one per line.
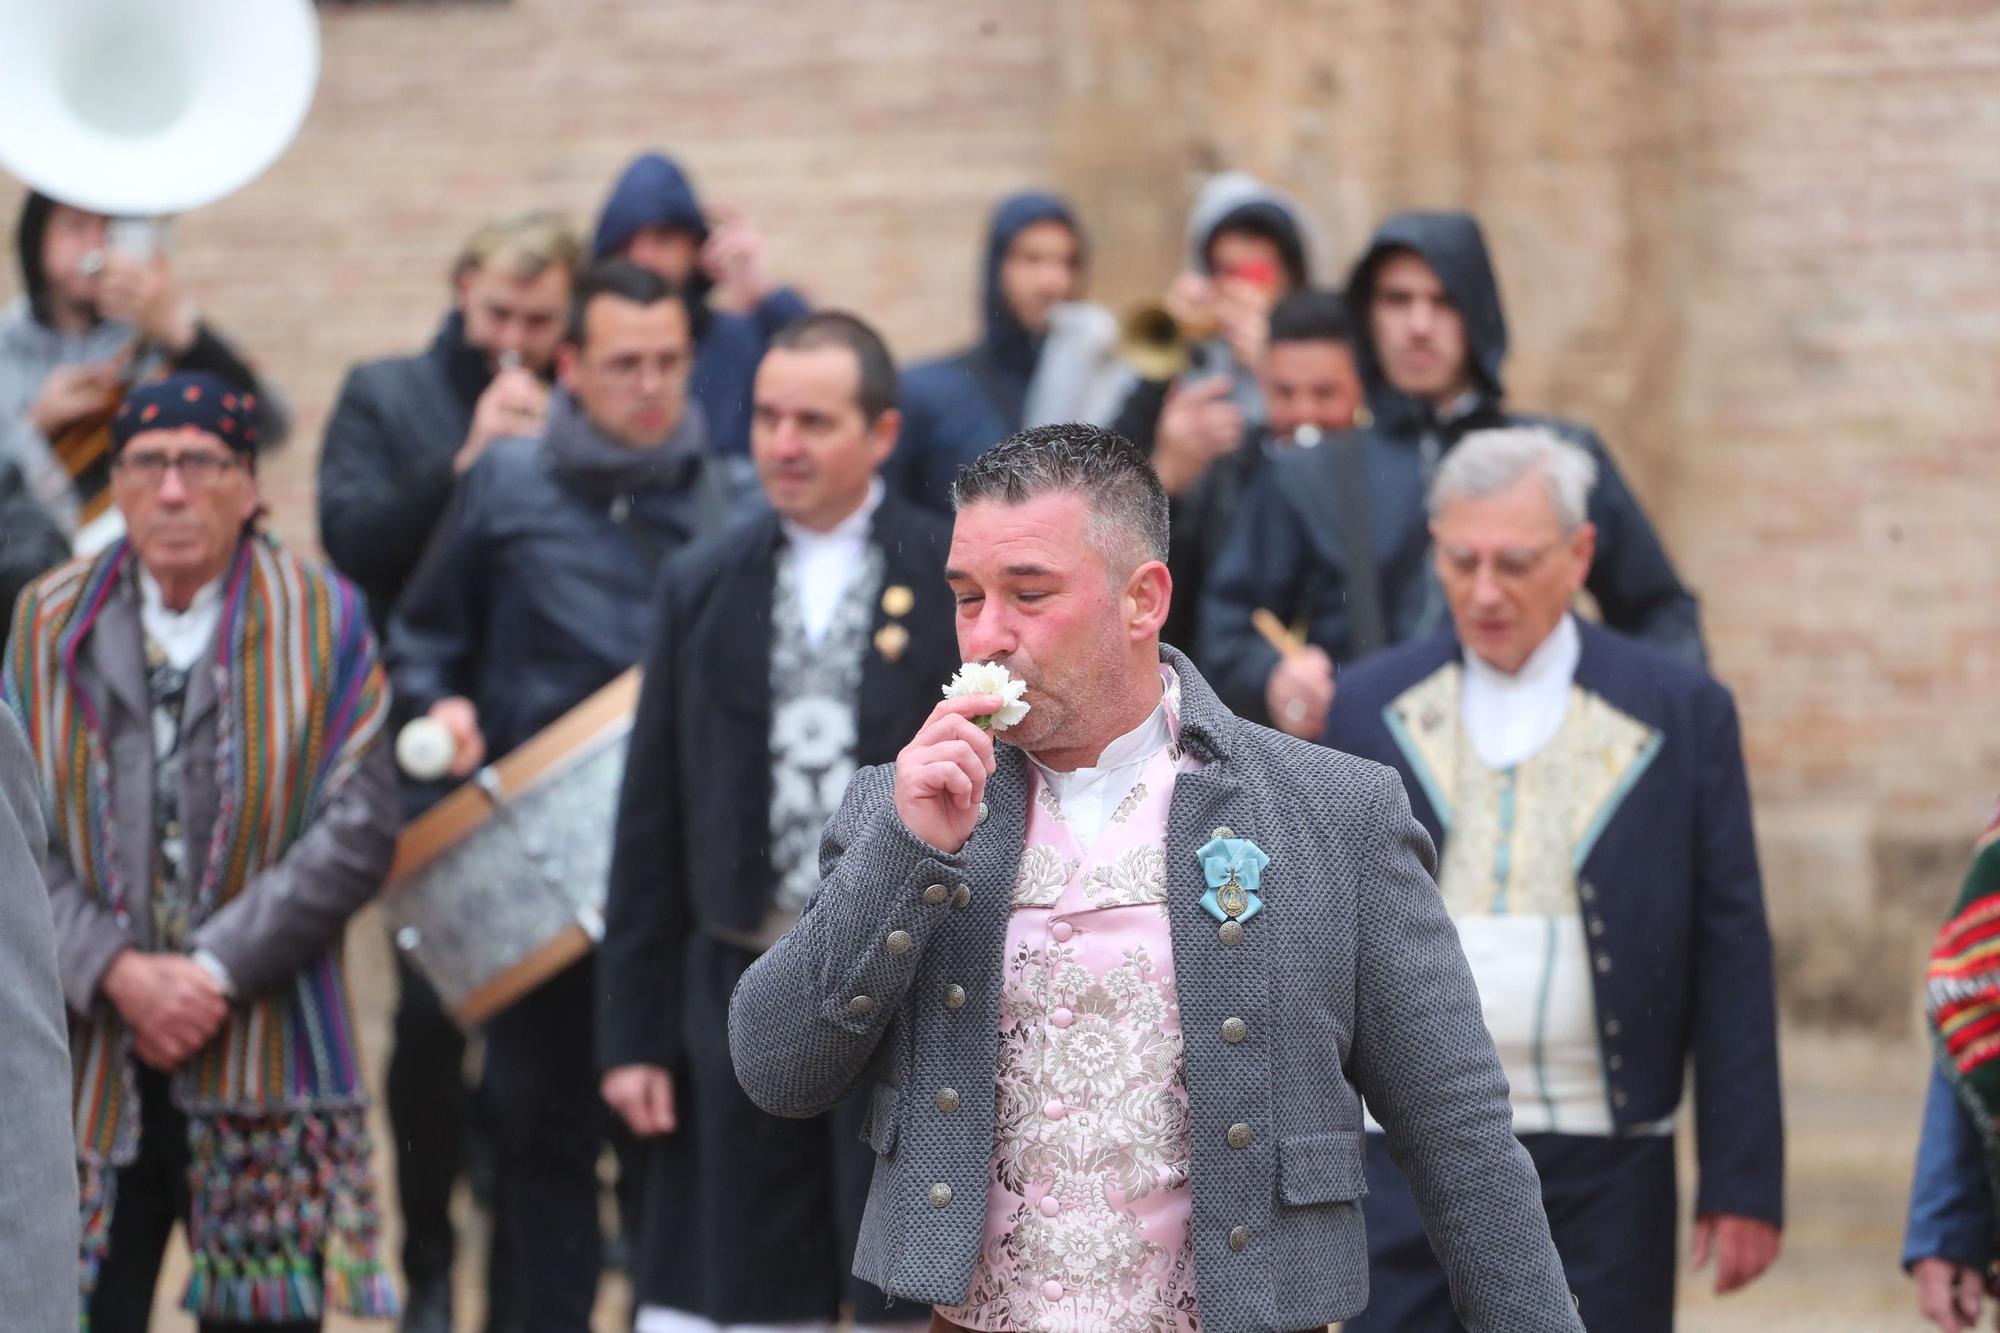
<point>403,430</point>
<point>1311,393</point>
<point>814,635</point>
<point>1334,541</point>
<point>536,592</point>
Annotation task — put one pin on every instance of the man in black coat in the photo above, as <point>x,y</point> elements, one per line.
<point>535,593</point>
<point>403,430</point>
<point>1350,563</point>
<point>790,649</point>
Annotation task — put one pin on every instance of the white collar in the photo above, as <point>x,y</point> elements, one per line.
<point>850,530</point>
<point>1511,717</point>
<point>153,599</point>
<point>1134,748</point>
<point>181,635</point>
<point>1551,665</point>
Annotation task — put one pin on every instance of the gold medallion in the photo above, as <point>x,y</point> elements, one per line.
<point>897,600</point>
<point>890,641</point>
<point>1231,897</point>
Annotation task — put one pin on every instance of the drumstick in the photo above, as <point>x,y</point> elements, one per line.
<point>1273,629</point>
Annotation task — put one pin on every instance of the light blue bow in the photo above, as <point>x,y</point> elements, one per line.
<point>1232,863</point>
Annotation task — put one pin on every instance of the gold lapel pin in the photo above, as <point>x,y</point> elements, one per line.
<point>890,641</point>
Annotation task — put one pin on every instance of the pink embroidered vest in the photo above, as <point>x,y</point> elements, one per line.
<point>1087,1216</point>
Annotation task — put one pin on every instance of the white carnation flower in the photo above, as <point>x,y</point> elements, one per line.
<point>991,678</point>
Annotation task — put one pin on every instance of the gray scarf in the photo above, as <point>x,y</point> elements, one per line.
<point>601,466</point>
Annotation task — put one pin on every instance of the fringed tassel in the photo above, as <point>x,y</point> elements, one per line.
<point>97,1193</point>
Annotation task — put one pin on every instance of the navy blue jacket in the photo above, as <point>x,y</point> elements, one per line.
<point>537,589</point>
<point>1289,555</point>
<point>1671,896</point>
<point>1951,1204</point>
<point>694,819</point>
<point>655,192</point>
<point>957,407</point>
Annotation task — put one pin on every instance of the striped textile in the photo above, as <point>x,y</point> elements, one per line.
<point>278,1094</point>
<point>1962,994</point>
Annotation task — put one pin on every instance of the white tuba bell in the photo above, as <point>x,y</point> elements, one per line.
<point>140,108</point>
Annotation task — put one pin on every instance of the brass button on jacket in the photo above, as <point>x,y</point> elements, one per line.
<point>1234,1030</point>
<point>954,997</point>
<point>861,1006</point>
<point>1239,1135</point>
<point>936,894</point>
<point>1231,932</point>
<point>940,1194</point>
<point>961,898</point>
<point>899,941</point>
<point>1238,1237</point>
<point>947,1100</point>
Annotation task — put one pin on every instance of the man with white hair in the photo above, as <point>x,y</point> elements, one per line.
<point>1588,798</point>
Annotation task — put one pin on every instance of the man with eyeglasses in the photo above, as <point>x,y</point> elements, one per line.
<point>536,591</point>
<point>1332,541</point>
<point>207,717</point>
<point>1588,799</point>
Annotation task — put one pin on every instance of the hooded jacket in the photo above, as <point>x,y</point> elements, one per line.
<point>1290,555</point>
<point>956,407</point>
<point>31,346</point>
<point>1232,200</point>
<point>655,192</point>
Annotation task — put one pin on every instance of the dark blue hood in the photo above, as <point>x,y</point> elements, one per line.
<point>1007,340</point>
<point>1453,245</point>
<point>653,192</point>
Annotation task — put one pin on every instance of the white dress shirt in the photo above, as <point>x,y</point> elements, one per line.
<point>1089,795</point>
<point>825,561</point>
<point>182,635</point>
<point>1511,717</point>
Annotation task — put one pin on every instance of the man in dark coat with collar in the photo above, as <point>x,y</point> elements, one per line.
<point>955,407</point>
<point>790,649</point>
<point>1588,797</point>
<point>402,432</point>
<point>535,593</point>
<point>654,218</point>
<point>1429,340</point>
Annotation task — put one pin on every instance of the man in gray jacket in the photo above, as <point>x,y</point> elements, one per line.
<point>206,719</point>
<point>37,1150</point>
<point>1120,986</point>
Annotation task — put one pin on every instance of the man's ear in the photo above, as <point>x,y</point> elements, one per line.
<point>1148,595</point>
<point>1583,549</point>
<point>882,436</point>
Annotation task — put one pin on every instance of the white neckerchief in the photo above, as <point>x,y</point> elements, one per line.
<point>1089,795</point>
<point>182,635</point>
<point>1511,717</point>
<point>824,562</point>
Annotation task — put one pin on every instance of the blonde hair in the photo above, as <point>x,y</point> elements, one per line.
<point>526,244</point>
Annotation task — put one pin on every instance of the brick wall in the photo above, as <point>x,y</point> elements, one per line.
<point>1755,243</point>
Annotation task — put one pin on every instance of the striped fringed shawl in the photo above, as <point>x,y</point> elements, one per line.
<point>1962,995</point>
<point>277,1096</point>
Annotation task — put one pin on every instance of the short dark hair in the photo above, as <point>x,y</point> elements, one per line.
<point>1310,316</point>
<point>614,277</point>
<point>876,390</point>
<point>1128,508</point>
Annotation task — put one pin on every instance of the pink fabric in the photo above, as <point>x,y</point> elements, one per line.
<point>1087,1219</point>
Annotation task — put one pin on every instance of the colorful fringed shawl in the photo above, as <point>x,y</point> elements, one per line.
<point>1962,995</point>
<point>283,1223</point>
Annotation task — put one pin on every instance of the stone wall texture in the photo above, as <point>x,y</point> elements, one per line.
<point>1756,243</point>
